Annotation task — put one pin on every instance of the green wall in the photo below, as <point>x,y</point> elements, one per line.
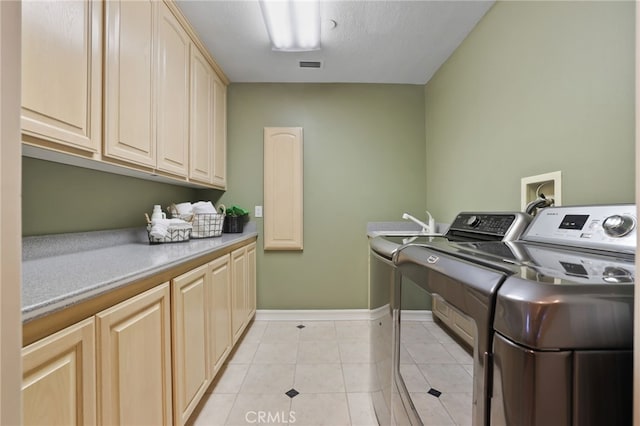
<point>58,198</point>
<point>363,161</point>
<point>536,87</point>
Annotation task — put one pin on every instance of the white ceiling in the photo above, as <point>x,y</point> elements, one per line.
<point>376,41</point>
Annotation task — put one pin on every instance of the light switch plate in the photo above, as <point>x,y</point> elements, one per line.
<point>258,211</point>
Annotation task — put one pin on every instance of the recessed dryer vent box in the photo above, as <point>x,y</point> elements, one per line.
<point>549,184</point>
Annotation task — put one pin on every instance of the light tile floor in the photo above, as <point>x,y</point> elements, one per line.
<point>431,359</point>
<point>328,363</point>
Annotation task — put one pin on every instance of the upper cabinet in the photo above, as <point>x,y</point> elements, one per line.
<point>173,94</point>
<point>220,133</point>
<point>147,86</point>
<point>129,63</point>
<point>201,126</point>
<point>164,106</point>
<point>62,74</point>
<point>208,127</point>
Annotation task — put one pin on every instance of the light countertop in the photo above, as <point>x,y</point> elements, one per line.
<point>59,271</point>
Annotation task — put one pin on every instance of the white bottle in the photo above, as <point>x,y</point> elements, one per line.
<point>158,213</point>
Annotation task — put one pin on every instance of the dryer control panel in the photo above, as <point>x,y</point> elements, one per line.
<point>492,226</point>
<point>603,227</point>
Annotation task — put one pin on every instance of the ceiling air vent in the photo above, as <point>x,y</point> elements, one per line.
<point>310,64</point>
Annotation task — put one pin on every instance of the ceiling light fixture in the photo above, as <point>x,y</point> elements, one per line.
<point>293,25</point>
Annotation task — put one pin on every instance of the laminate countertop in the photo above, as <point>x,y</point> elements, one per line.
<point>61,270</point>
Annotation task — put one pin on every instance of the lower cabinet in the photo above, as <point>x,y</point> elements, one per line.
<point>59,383</point>
<point>201,324</point>
<point>220,340</point>
<point>147,360</point>
<point>134,360</point>
<point>243,288</point>
<point>189,326</point>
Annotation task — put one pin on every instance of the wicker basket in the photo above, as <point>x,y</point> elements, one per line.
<point>175,234</point>
<point>205,225</point>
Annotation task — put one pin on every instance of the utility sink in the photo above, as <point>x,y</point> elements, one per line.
<point>404,233</point>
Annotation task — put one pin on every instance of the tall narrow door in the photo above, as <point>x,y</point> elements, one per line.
<point>283,188</point>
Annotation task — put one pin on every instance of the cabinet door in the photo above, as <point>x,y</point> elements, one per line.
<point>189,316</point>
<point>283,188</point>
<point>172,81</point>
<point>62,72</point>
<point>58,384</point>
<point>220,134</point>
<point>238,292</point>
<point>134,360</point>
<point>202,119</point>
<point>251,281</point>
<point>220,339</point>
<point>129,98</point>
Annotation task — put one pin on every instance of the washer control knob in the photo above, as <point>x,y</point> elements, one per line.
<point>618,225</point>
<point>472,221</point>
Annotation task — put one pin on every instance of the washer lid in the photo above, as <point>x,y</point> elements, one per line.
<point>553,264</point>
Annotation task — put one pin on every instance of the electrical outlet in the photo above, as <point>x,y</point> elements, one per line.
<point>258,211</point>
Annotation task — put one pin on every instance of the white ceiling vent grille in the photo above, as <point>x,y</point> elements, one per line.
<point>310,64</point>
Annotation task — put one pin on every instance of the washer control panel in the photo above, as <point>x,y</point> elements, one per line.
<point>498,226</point>
<point>604,227</point>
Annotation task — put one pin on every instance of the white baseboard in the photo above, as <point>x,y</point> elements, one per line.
<point>312,314</point>
<point>416,315</point>
<point>336,314</point>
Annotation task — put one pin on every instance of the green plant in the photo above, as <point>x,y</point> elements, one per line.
<point>235,211</point>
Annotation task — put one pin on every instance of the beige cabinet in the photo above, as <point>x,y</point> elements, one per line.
<point>189,326</point>
<point>201,135</point>
<point>134,360</point>
<point>220,134</point>
<point>238,292</point>
<point>156,104</point>
<point>59,384</point>
<point>208,127</point>
<point>243,288</point>
<point>283,188</point>
<point>148,359</point>
<point>62,74</point>
<point>129,96</point>
<point>172,79</point>
<point>220,339</point>
<point>251,281</point>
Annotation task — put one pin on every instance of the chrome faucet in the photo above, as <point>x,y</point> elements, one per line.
<point>427,229</point>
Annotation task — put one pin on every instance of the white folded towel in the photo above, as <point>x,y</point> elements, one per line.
<point>184,208</point>
<point>203,207</point>
<point>160,227</point>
